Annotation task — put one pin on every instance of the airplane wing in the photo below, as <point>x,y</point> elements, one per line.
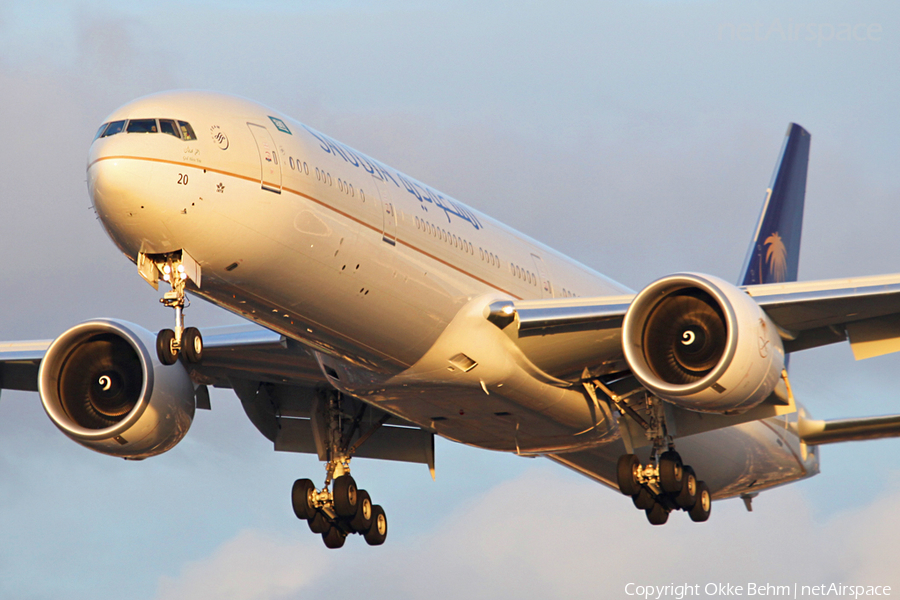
<point>865,310</point>
<point>278,382</point>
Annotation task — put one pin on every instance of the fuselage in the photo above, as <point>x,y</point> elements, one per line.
<point>306,220</point>
<point>383,276</point>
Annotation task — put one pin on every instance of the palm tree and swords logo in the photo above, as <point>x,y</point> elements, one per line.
<point>776,257</point>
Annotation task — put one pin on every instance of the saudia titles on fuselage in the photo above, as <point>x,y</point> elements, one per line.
<point>421,191</point>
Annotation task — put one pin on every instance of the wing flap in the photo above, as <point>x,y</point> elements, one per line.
<point>874,337</point>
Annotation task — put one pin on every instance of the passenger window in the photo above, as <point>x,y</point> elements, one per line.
<point>114,128</point>
<point>187,132</point>
<point>168,126</point>
<point>142,126</point>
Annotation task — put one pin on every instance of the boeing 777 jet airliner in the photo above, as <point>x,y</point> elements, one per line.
<point>381,312</point>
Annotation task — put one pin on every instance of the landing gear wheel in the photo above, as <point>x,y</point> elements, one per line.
<point>671,472</point>
<point>626,472</point>
<point>301,498</point>
<point>363,519</point>
<point>318,524</point>
<point>688,496</point>
<point>165,347</point>
<point>643,500</point>
<point>703,505</point>
<point>657,514</point>
<point>334,537</point>
<point>192,344</point>
<point>346,498</point>
<point>377,533</point>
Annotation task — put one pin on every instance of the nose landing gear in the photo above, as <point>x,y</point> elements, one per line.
<point>177,269</point>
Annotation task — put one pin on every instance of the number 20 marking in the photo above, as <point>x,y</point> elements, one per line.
<point>182,179</point>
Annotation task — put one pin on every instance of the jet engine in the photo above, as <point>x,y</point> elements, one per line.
<point>703,344</point>
<point>103,387</point>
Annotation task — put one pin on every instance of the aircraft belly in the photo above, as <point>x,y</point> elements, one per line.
<point>474,386</point>
<point>742,459</point>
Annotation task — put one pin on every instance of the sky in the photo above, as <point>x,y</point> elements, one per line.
<point>637,137</point>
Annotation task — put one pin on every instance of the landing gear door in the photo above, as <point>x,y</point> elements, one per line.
<point>270,165</point>
<point>389,213</point>
<point>544,274</point>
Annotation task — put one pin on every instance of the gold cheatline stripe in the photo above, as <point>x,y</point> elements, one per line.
<point>312,199</point>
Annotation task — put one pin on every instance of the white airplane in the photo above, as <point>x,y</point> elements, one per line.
<point>383,312</point>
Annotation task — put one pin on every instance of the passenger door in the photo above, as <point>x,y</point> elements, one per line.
<point>546,286</point>
<point>389,213</point>
<point>270,165</point>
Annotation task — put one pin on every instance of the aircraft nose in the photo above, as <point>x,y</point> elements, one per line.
<point>118,188</point>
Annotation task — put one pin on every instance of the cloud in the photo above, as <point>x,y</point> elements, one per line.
<point>251,566</point>
<point>551,534</point>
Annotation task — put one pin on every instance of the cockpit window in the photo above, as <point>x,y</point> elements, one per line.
<point>187,132</point>
<point>142,126</point>
<point>101,130</point>
<point>179,129</point>
<point>114,128</point>
<point>168,126</point>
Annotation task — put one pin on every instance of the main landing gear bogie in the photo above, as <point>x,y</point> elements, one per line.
<point>340,508</point>
<point>662,486</point>
<point>340,512</point>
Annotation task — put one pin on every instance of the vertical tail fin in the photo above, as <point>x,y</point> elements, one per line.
<point>774,252</point>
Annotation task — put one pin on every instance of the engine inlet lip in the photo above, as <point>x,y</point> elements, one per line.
<point>57,353</point>
<point>644,304</point>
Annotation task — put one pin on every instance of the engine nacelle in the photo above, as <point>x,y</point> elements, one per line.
<point>104,389</point>
<point>703,344</point>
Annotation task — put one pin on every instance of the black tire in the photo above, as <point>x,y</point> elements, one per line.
<point>362,521</point>
<point>703,506</point>
<point>377,533</point>
<point>165,347</point>
<point>688,496</point>
<point>334,537</point>
<point>626,472</point>
<point>671,472</point>
<point>192,344</point>
<point>301,499</point>
<point>643,499</point>
<point>657,514</point>
<point>346,498</point>
<point>318,523</point>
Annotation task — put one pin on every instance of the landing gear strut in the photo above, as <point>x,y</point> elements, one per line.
<point>344,509</point>
<point>665,483</point>
<point>169,343</point>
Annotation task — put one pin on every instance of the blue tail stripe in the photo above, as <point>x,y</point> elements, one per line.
<point>774,253</point>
